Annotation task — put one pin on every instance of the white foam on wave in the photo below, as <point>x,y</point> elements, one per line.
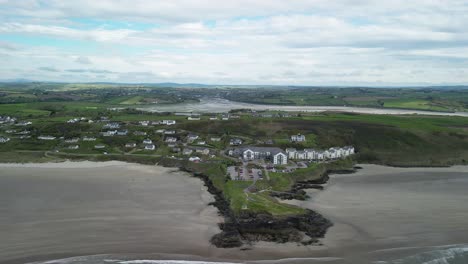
<point>147,261</point>
<point>451,255</point>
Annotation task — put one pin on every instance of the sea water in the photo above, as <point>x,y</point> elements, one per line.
<point>444,255</point>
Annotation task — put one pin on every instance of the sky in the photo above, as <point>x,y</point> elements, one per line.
<point>276,42</point>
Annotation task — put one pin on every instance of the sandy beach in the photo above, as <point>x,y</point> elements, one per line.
<point>56,210</point>
<point>386,213</point>
<point>129,211</point>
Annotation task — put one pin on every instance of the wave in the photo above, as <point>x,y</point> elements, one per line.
<point>104,259</point>
<point>450,255</point>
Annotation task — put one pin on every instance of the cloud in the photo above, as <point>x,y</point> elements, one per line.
<point>244,41</point>
<point>83,60</point>
<point>90,71</point>
<point>48,69</point>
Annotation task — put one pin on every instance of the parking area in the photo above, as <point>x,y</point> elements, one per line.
<point>245,173</point>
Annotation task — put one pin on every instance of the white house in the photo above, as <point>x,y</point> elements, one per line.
<point>144,123</point>
<point>215,139</point>
<point>99,146</point>
<point>171,140</point>
<point>187,151</point>
<point>130,145</point>
<point>74,147</point>
<point>72,140</point>
<point>271,153</point>
<point>236,142</point>
<point>89,139</point>
<point>4,139</point>
<point>194,159</point>
<point>192,137</point>
<point>298,138</point>
<point>280,158</point>
<point>147,141</point>
<point>112,125</point>
<point>168,122</point>
<point>46,137</point>
<point>150,147</point>
<point>291,153</point>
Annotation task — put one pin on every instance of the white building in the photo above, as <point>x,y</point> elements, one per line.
<point>74,147</point>
<point>298,138</point>
<point>72,140</point>
<point>276,155</point>
<point>171,140</point>
<point>150,147</point>
<point>89,139</point>
<point>147,141</point>
<point>46,137</point>
<point>168,122</point>
<point>130,145</point>
<point>4,139</point>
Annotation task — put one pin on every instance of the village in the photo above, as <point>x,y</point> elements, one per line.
<point>255,158</point>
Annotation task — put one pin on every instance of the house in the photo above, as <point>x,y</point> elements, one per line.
<point>89,139</point>
<point>280,158</point>
<point>194,159</point>
<point>204,151</point>
<point>171,140</point>
<point>72,140</point>
<point>24,123</point>
<point>24,132</point>
<point>187,151</point>
<point>298,138</point>
<point>200,142</point>
<point>193,118</point>
<point>4,139</point>
<point>150,147</point>
<point>269,153</point>
<point>99,146</point>
<point>130,145</point>
<point>144,123</point>
<point>311,154</point>
<point>140,133</point>
<point>213,118</point>
<point>7,119</point>
<point>192,137</point>
<point>160,131</point>
<point>168,122</point>
<point>73,120</point>
<point>236,142</point>
<point>225,117</point>
<point>112,126</point>
<point>169,132</point>
<point>291,153</point>
<point>147,141</point>
<point>215,139</point>
<point>46,137</point>
<point>109,133</point>
<point>122,133</point>
<point>74,147</point>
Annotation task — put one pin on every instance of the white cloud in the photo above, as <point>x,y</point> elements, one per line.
<point>262,41</point>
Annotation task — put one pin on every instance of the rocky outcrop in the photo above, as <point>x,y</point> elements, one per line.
<point>297,190</point>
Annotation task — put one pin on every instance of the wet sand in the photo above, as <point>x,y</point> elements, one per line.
<point>386,213</point>
<point>56,210</point>
<point>218,105</point>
